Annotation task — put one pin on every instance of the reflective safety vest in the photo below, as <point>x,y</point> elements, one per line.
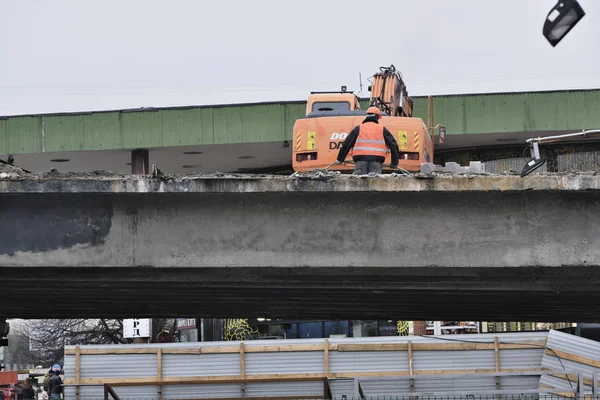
<point>370,141</point>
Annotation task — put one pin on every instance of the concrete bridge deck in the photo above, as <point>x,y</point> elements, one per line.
<point>320,246</point>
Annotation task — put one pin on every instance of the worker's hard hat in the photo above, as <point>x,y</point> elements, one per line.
<point>374,110</point>
<point>56,367</point>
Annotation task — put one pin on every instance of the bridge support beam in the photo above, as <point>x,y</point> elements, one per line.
<point>224,248</point>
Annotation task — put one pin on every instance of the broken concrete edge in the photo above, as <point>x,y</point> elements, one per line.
<point>14,173</point>
<point>330,182</point>
<point>475,167</point>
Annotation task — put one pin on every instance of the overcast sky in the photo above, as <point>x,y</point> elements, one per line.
<point>74,55</point>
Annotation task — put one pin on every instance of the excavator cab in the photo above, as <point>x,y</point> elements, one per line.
<point>331,101</point>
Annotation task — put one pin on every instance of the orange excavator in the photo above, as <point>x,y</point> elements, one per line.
<point>330,116</point>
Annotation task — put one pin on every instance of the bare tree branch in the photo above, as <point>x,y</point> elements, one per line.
<point>47,338</point>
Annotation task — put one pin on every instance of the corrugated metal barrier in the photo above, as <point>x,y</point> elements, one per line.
<point>314,368</point>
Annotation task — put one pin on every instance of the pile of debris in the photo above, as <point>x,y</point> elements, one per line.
<point>8,171</point>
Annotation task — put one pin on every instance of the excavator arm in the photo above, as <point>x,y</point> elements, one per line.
<point>389,93</point>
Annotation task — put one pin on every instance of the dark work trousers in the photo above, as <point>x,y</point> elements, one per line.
<point>366,167</point>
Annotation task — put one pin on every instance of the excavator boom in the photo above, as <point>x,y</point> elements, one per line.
<point>389,94</point>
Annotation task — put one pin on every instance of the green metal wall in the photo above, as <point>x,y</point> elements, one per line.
<point>152,128</point>
<point>462,114</point>
<point>515,112</point>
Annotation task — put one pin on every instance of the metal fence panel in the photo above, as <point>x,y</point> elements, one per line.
<point>559,343</point>
<point>124,392</point>
<point>341,387</point>
<point>573,344</point>
<point>136,392</point>
<point>285,363</point>
<point>200,364</point>
<point>273,389</point>
<point>68,366</point>
<point>86,392</point>
<point>518,382</point>
<point>562,383</point>
<point>453,360</point>
<point>201,391</point>
<point>69,392</point>
<point>384,387</point>
<point>118,366</point>
<point>368,361</point>
<point>458,384</point>
<point>520,358</point>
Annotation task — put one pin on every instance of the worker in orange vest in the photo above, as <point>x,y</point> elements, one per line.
<point>370,142</point>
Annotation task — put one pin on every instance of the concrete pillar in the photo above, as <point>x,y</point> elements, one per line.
<point>139,162</point>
